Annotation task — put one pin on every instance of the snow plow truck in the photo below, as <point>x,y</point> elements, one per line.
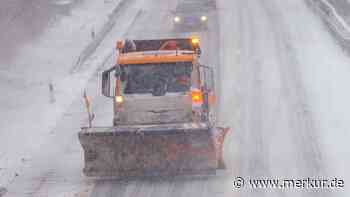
<point>164,114</point>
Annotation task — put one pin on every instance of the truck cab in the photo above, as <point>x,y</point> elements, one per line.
<point>159,82</point>
<point>163,123</point>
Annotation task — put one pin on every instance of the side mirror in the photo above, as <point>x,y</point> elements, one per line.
<point>208,77</point>
<point>198,51</point>
<point>106,83</point>
<point>123,76</point>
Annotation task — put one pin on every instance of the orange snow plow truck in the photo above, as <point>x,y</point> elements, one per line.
<point>164,114</point>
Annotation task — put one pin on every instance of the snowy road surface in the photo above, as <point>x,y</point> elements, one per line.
<point>283,91</point>
<point>25,20</point>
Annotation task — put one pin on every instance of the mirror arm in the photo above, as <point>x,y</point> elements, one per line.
<point>106,79</point>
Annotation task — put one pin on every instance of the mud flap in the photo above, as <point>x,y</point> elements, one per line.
<point>219,138</point>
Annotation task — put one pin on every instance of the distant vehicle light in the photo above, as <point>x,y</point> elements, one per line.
<point>204,18</point>
<point>177,19</point>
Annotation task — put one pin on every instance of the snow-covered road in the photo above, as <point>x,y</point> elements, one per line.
<point>283,91</point>
<point>287,75</point>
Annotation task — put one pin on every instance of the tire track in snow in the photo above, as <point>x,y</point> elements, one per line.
<point>253,161</point>
<point>306,131</point>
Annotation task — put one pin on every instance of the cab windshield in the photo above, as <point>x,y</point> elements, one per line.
<point>157,79</point>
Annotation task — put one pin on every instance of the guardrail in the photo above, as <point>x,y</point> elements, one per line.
<point>333,19</point>
<point>99,36</point>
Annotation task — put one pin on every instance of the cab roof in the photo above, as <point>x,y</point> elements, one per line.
<point>158,51</point>
<point>196,6</point>
<point>153,57</point>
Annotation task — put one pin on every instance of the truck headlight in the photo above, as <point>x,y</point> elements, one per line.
<point>177,19</point>
<point>204,18</point>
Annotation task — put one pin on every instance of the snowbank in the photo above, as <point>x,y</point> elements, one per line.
<point>331,16</point>
<point>40,85</point>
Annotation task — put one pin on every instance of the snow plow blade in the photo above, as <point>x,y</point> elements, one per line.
<point>155,150</point>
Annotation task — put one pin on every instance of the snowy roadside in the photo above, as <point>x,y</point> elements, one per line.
<point>57,170</point>
<point>39,84</point>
